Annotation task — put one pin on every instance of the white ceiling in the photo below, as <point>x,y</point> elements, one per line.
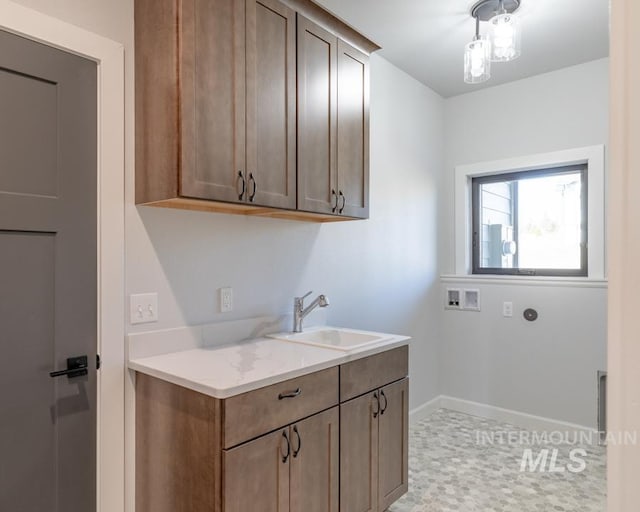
<point>426,38</point>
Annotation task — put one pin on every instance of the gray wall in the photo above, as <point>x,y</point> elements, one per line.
<point>547,368</point>
<point>380,274</point>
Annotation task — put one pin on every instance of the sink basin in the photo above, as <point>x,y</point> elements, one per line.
<point>331,337</point>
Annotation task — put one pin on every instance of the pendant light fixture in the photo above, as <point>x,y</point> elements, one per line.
<point>502,43</point>
<point>504,34</point>
<point>477,59</point>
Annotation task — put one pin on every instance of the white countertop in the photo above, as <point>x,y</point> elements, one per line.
<point>228,370</point>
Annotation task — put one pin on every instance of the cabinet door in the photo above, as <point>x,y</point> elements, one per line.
<point>393,443</point>
<point>271,104</point>
<point>258,472</point>
<point>317,120</point>
<point>212,89</point>
<point>315,464</point>
<point>353,131</point>
<point>359,454</point>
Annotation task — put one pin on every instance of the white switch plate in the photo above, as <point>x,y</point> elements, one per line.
<point>143,308</point>
<point>507,309</point>
<point>226,299</point>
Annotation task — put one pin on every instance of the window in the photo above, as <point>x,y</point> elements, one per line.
<point>530,222</point>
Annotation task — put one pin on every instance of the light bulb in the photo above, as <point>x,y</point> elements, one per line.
<point>504,34</point>
<point>477,61</point>
<point>477,64</point>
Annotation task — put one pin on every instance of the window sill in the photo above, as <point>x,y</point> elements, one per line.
<point>575,282</point>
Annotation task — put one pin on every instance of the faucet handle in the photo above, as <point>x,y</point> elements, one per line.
<point>301,299</point>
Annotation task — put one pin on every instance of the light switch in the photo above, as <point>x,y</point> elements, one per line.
<point>226,299</point>
<point>507,309</point>
<point>143,308</point>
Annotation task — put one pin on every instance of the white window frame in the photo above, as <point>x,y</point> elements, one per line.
<point>593,156</point>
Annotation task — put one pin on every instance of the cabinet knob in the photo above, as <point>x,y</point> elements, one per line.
<point>242,180</point>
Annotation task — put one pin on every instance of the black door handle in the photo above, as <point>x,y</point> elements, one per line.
<point>252,195</point>
<point>382,395</point>
<point>290,394</point>
<point>296,451</point>
<point>241,178</point>
<point>285,456</point>
<point>377,411</point>
<point>76,367</point>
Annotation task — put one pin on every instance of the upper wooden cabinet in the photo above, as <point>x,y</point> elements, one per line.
<point>353,131</point>
<point>333,124</point>
<point>317,118</point>
<point>225,108</point>
<point>218,88</point>
<point>271,103</point>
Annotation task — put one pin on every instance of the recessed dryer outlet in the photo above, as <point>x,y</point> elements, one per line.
<point>472,299</point>
<point>453,299</point>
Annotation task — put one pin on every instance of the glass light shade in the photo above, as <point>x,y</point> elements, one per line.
<point>504,34</point>
<point>477,62</point>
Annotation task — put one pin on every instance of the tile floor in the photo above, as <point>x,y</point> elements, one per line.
<point>453,467</point>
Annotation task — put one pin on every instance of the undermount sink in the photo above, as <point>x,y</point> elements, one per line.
<point>336,338</point>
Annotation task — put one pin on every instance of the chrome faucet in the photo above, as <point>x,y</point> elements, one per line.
<point>300,312</point>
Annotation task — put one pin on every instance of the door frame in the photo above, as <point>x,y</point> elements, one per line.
<point>623,379</point>
<point>109,57</point>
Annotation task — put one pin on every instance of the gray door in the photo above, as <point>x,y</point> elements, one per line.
<point>47,277</point>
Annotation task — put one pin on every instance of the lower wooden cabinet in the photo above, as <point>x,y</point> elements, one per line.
<point>256,472</point>
<point>296,446</point>
<point>359,454</point>
<point>393,443</point>
<point>374,449</point>
<point>315,463</point>
<point>293,469</point>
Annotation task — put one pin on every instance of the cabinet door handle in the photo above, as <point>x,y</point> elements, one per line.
<point>241,179</point>
<point>335,206</point>
<point>382,395</point>
<point>344,202</point>
<point>290,394</point>
<point>377,411</point>
<point>296,451</point>
<point>255,187</point>
<point>286,455</point>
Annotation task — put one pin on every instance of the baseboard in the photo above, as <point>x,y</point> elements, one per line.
<point>424,411</point>
<point>519,419</point>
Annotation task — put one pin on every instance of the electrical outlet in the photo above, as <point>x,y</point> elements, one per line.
<point>226,300</point>
<point>143,308</point>
<point>507,309</point>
